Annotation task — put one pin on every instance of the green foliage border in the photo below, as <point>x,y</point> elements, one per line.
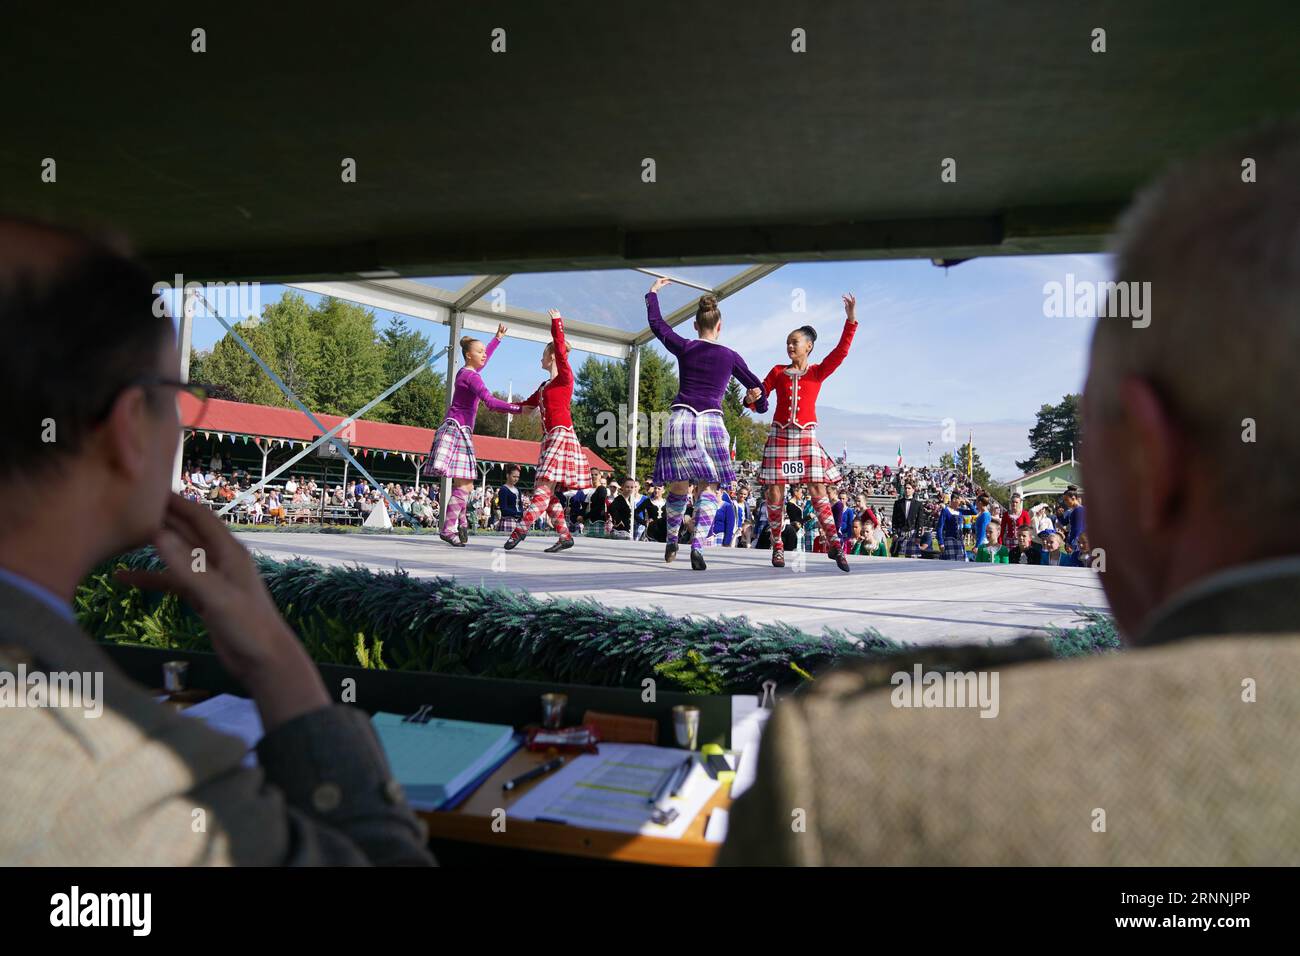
<point>390,620</point>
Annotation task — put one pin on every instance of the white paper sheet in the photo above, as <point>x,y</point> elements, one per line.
<point>747,722</point>
<point>236,716</point>
<point>610,791</point>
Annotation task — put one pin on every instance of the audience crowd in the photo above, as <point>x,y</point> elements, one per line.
<point>936,513</point>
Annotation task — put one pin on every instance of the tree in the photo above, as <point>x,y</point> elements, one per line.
<point>351,359</point>
<point>600,412</point>
<point>1055,434</point>
<point>292,346</point>
<point>979,474</point>
<point>420,402</point>
<point>232,371</point>
<point>525,427</point>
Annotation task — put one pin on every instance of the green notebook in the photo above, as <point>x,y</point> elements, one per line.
<point>437,760</point>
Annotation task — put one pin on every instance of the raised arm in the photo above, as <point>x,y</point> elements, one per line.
<point>673,342</point>
<point>492,346</point>
<point>837,355</point>
<point>564,372</point>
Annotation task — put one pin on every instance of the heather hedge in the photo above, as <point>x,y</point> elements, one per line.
<point>388,619</point>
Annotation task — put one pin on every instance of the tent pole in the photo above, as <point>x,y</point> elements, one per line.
<point>455,321</point>
<point>185,344</point>
<point>633,389</point>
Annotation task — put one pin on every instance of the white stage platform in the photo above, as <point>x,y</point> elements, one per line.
<point>920,601</point>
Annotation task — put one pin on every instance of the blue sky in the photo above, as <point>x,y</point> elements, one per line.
<point>968,344</point>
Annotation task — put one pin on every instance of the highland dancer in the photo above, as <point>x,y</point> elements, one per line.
<point>793,452</point>
<point>452,453</point>
<point>695,445</point>
<point>561,463</point>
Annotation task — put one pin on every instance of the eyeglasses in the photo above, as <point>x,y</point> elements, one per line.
<point>201,393</point>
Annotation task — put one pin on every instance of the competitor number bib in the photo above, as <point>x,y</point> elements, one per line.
<point>792,469</point>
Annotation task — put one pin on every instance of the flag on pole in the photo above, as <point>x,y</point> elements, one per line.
<point>970,455</point>
<point>846,453</point>
<point>900,455</point>
<point>733,447</point>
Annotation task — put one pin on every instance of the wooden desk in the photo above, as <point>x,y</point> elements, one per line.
<point>471,822</point>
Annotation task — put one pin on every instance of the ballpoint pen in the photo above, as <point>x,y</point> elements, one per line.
<point>534,773</point>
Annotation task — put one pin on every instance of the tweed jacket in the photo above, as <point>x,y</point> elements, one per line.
<point>1181,751</point>
<point>141,785</point>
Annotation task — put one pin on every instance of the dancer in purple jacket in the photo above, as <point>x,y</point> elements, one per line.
<point>452,453</point>
<point>695,445</point>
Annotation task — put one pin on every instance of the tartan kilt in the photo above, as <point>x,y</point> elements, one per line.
<point>508,524</point>
<point>954,549</point>
<point>452,453</point>
<point>789,443</point>
<point>694,447</point>
<point>911,547</point>
<point>561,459</point>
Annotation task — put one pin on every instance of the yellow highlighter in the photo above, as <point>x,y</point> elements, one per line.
<point>715,763</point>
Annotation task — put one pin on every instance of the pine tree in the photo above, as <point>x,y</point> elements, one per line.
<point>420,401</point>
<point>1057,431</point>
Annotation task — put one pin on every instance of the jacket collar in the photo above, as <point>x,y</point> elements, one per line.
<point>51,638</point>
<point>1254,598</point>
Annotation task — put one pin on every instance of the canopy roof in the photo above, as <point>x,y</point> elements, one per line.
<point>227,163</point>
<point>613,299</point>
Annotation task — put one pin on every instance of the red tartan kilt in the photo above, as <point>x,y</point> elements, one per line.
<point>789,443</point>
<point>562,460</point>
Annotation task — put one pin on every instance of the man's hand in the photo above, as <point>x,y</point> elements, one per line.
<point>850,305</point>
<point>216,576</point>
<point>660,283</point>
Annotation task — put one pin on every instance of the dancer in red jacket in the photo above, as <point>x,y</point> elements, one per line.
<point>793,453</point>
<point>561,463</point>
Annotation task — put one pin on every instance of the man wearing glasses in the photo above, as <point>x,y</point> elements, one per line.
<point>91,386</point>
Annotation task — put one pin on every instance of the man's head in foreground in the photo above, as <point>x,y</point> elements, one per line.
<point>1193,405</point>
<point>89,383</point>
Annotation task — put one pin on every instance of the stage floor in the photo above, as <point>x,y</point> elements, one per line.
<point>919,601</point>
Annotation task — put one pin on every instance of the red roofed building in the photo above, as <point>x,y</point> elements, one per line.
<point>264,428</point>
